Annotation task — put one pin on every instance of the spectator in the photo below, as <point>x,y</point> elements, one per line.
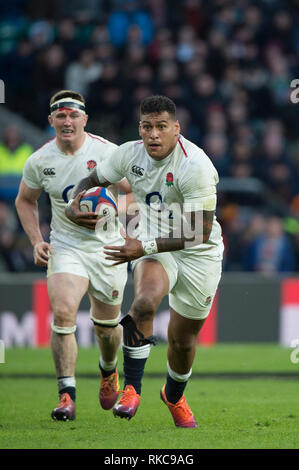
<point>80,74</point>
<point>17,69</point>
<point>121,20</point>
<point>216,120</point>
<point>48,76</point>
<point>41,34</point>
<point>97,89</point>
<point>272,149</point>
<point>14,247</point>
<point>66,38</point>
<point>186,44</point>
<point>271,252</point>
<point>238,229</point>
<point>94,8</point>
<point>216,145</point>
<point>203,95</point>
<point>13,155</point>
<point>49,9</point>
<point>228,66</point>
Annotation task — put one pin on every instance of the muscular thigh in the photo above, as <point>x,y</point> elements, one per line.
<point>106,282</point>
<point>150,280</point>
<point>65,293</point>
<point>103,311</point>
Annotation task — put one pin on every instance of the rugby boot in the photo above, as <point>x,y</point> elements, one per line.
<point>66,409</point>
<point>128,403</point>
<point>181,412</point>
<point>109,390</point>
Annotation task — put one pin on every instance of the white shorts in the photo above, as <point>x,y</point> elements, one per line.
<point>106,282</point>
<point>193,281</point>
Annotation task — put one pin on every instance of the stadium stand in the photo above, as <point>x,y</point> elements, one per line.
<point>227,64</point>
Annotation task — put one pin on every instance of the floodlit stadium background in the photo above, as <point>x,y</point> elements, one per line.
<point>231,67</point>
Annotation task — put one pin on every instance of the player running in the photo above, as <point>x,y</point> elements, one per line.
<point>74,257</point>
<point>178,251</point>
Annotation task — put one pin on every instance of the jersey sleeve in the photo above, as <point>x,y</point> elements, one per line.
<point>198,187</point>
<point>31,174</point>
<point>112,168</point>
<point>109,150</point>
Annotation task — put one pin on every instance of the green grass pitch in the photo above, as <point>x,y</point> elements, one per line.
<point>243,397</point>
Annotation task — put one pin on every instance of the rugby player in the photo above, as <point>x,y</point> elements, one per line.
<point>178,250</point>
<point>74,257</point>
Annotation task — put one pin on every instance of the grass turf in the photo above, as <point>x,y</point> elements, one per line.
<point>241,411</point>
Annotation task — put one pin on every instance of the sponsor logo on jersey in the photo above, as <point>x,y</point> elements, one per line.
<point>208,300</point>
<point>91,164</point>
<point>49,171</point>
<point>137,170</point>
<point>169,179</point>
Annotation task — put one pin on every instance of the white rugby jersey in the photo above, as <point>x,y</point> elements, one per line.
<point>57,173</point>
<point>185,177</point>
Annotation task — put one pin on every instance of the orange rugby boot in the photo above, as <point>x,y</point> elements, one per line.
<point>181,412</point>
<point>109,389</point>
<point>66,409</point>
<point>128,403</point>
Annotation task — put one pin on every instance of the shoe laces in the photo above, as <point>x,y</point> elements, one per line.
<point>127,394</point>
<point>183,409</point>
<point>108,384</point>
<point>64,399</point>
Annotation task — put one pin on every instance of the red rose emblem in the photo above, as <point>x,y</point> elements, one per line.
<point>115,294</point>
<point>169,179</point>
<point>91,164</point>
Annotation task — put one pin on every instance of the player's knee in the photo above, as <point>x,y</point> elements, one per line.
<point>104,332</point>
<point>181,346</point>
<point>64,315</point>
<point>144,308</point>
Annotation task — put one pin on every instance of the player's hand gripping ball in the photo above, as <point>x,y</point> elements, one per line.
<point>101,201</point>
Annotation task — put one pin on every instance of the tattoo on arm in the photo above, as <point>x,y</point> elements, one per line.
<point>207,223</point>
<point>195,234</point>
<point>86,183</point>
<point>170,244</point>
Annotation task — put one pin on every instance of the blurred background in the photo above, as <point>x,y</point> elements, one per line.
<point>228,65</point>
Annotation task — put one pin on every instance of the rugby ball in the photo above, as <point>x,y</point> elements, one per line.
<point>101,201</point>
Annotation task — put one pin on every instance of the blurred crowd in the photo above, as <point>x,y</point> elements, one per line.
<point>228,65</point>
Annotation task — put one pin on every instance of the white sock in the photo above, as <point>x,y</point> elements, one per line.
<point>141,352</point>
<point>178,377</point>
<point>64,382</point>
<point>108,365</point>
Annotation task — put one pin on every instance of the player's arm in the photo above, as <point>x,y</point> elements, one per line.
<point>27,209</point>
<point>126,203</point>
<point>109,167</point>
<point>123,186</point>
<point>195,229</point>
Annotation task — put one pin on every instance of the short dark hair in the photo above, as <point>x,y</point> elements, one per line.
<point>158,104</point>
<point>67,94</point>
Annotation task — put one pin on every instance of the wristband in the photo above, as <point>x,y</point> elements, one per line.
<point>150,247</point>
<point>70,202</point>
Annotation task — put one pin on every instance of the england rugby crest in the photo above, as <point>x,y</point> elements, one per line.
<point>91,164</point>
<point>169,179</point>
<point>115,294</point>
